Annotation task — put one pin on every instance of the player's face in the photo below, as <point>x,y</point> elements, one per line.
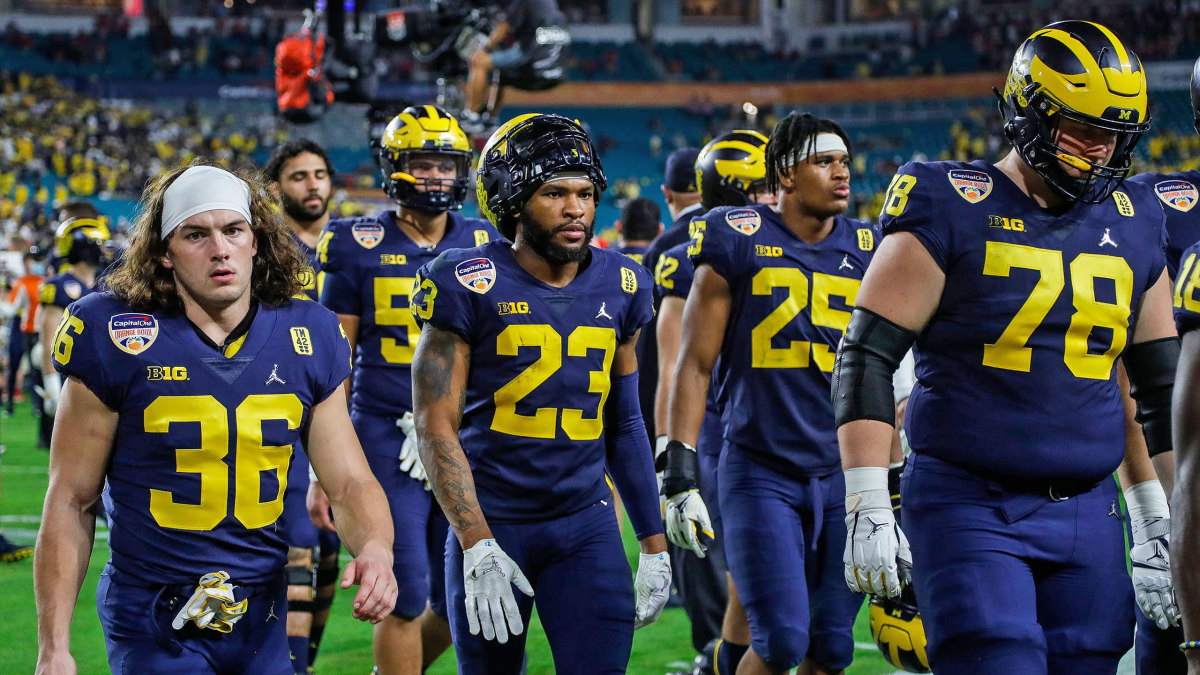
<point>557,220</point>
<point>433,171</point>
<point>305,187</point>
<point>1094,145</point>
<point>822,183</point>
<point>212,257</point>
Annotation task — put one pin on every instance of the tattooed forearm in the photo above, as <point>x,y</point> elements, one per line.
<point>433,364</point>
<point>453,484</point>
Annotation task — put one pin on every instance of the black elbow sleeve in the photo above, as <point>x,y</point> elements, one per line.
<point>1151,369</point>
<point>867,357</point>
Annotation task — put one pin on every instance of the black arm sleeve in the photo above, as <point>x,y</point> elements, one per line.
<point>867,357</point>
<point>1151,368</point>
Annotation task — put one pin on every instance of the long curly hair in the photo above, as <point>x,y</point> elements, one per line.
<point>140,280</point>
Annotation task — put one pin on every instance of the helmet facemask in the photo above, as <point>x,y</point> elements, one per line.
<point>1035,137</point>
<point>432,195</point>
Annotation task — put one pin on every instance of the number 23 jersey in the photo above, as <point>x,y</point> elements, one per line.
<point>1015,368</point>
<point>790,304</point>
<point>541,362</point>
<point>204,439</point>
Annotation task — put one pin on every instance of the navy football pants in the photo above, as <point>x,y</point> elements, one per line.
<point>420,527</point>
<point>1014,582</point>
<point>582,585</point>
<point>139,637</point>
<point>784,540</point>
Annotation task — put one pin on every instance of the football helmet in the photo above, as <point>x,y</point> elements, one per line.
<point>898,631</point>
<point>525,152</point>
<point>1195,85</point>
<point>731,168</point>
<point>1080,71</point>
<point>424,130</point>
<point>83,240</point>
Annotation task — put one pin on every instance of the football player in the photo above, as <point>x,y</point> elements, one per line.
<point>771,297</point>
<point>187,387</point>
<point>525,386</point>
<point>81,242</point>
<point>638,226</point>
<point>300,176</point>
<point>730,170</point>
<point>1020,283</point>
<point>1178,192</point>
<point>369,266</point>
<point>683,201</point>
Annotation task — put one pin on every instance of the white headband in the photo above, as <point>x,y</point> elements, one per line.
<point>825,142</point>
<point>200,189</point>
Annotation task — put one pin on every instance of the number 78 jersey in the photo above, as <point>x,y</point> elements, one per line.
<point>1015,369</point>
<point>791,303</point>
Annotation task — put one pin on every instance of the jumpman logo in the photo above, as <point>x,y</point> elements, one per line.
<point>1159,553</point>
<point>602,313</point>
<point>846,263</point>
<point>1112,510</point>
<point>271,612</point>
<point>274,376</point>
<point>875,527</point>
<point>1107,239</point>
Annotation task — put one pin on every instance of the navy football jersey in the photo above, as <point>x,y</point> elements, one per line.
<point>674,278</point>
<point>1179,193</point>
<point>791,303</point>
<point>1187,300</point>
<point>369,266</point>
<point>1035,310</point>
<point>638,253</point>
<point>541,358</point>
<point>204,439</point>
<point>62,289</point>
<point>312,276</point>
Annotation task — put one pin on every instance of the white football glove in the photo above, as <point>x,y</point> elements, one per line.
<point>685,516</point>
<point>687,523</point>
<point>488,577</point>
<point>1150,520</point>
<point>410,459</point>
<point>652,586</point>
<point>51,387</point>
<point>877,554</point>
<point>211,605</point>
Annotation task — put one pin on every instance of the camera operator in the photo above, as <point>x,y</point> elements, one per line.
<point>533,33</point>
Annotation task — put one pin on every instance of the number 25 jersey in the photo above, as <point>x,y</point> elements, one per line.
<point>1015,368</point>
<point>790,305</point>
<point>204,439</point>
<point>541,362</point>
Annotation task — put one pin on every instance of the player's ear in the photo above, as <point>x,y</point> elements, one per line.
<point>273,188</point>
<point>787,178</point>
<point>165,260</point>
<point>617,225</point>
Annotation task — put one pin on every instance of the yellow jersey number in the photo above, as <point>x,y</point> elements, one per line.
<point>387,289</point>
<point>664,269</point>
<point>64,338</point>
<point>796,355</point>
<point>1009,351</point>
<point>545,421</point>
<point>250,460</point>
<point>1185,285</point>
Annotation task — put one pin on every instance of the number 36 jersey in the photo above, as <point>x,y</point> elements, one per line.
<point>204,439</point>
<point>541,362</point>
<point>1015,368</point>
<point>369,265</point>
<point>791,303</point>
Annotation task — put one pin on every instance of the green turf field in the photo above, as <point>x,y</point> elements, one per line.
<point>657,649</point>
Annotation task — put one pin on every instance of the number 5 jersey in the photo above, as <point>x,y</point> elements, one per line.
<point>204,439</point>
<point>1015,368</point>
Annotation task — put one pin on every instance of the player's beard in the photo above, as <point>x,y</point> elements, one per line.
<point>297,211</point>
<point>541,241</point>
